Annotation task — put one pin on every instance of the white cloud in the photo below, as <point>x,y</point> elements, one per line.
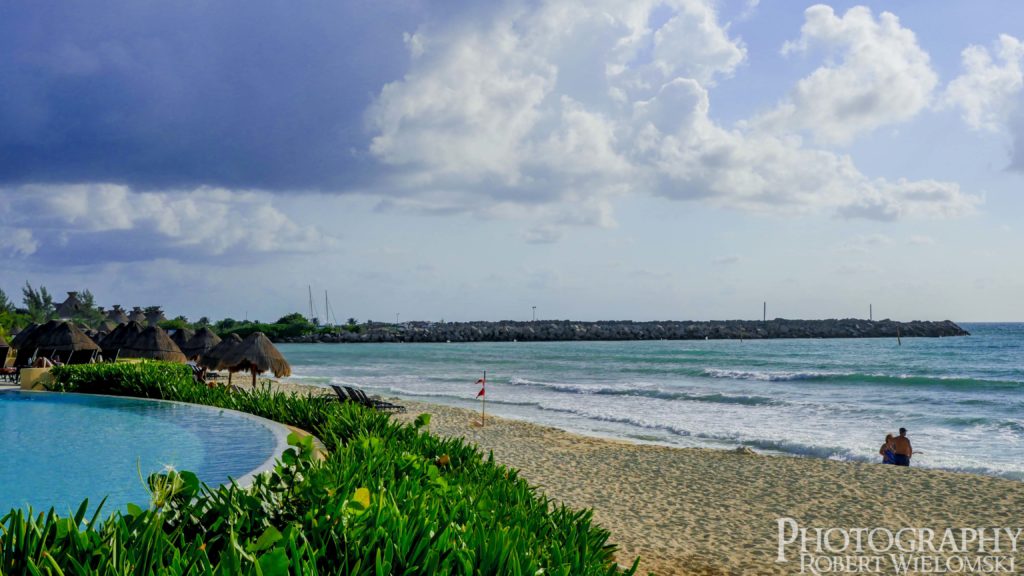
<point>921,240</point>
<point>876,75</point>
<point>988,91</point>
<point>526,105</point>
<point>691,157</point>
<point>18,241</point>
<point>201,222</point>
<point>549,113</point>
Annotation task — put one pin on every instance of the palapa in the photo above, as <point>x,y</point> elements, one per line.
<point>23,335</point>
<point>256,354</point>
<point>30,342</point>
<point>202,342</point>
<point>211,359</point>
<point>65,337</point>
<point>118,337</point>
<point>181,337</point>
<point>153,343</point>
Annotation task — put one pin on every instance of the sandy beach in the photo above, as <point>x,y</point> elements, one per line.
<point>705,512</point>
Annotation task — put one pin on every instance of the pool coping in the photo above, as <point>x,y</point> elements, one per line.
<point>279,430</point>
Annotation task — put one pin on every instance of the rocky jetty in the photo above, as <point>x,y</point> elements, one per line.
<point>568,330</point>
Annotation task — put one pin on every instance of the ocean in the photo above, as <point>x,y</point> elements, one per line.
<point>961,399</point>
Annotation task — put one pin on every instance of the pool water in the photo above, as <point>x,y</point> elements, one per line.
<point>59,449</point>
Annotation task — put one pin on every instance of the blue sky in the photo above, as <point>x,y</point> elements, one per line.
<point>684,159</point>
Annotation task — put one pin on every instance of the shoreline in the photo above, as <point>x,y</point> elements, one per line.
<point>705,511</point>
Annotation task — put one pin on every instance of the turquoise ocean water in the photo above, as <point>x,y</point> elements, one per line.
<point>962,399</point>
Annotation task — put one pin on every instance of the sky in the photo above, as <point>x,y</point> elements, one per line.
<point>568,159</point>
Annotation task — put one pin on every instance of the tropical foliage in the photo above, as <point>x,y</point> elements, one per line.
<point>388,499</point>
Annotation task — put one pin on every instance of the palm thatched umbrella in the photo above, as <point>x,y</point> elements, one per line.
<point>211,360</point>
<point>32,338</point>
<point>181,337</point>
<point>118,337</point>
<point>23,335</point>
<point>155,344</point>
<point>256,354</point>
<point>67,339</point>
<point>202,342</point>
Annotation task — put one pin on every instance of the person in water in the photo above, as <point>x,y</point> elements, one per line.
<point>902,449</point>
<point>886,451</point>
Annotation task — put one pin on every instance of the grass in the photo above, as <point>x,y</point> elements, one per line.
<point>388,499</point>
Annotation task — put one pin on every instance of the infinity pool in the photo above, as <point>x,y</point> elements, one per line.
<point>58,449</point>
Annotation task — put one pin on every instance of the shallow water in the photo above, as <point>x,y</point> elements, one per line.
<point>962,399</point>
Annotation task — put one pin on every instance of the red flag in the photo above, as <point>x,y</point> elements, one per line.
<point>482,382</point>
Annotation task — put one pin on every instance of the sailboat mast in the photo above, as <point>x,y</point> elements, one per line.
<point>310,287</point>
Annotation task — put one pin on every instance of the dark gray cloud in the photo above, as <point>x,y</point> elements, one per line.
<point>163,95</point>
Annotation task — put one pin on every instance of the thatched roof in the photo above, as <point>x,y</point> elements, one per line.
<point>256,354</point>
<point>117,315</point>
<point>202,342</point>
<point>152,343</point>
<point>120,336</point>
<point>65,337</point>
<point>137,315</point>
<point>181,337</point>
<point>71,306</point>
<point>31,339</point>
<point>20,337</point>
<point>211,359</point>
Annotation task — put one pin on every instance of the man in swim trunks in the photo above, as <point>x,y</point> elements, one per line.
<point>902,449</point>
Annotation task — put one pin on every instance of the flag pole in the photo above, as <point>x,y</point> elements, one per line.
<point>483,401</point>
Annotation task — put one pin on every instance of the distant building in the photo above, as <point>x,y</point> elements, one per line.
<point>117,315</point>
<point>137,315</point>
<point>71,307</point>
<point>154,315</point>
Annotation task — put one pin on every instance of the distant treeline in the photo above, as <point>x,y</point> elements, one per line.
<point>38,306</point>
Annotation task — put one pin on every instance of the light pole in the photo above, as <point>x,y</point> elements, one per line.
<point>396,317</point>
<point>534,313</point>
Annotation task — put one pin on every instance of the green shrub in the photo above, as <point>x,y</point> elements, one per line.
<point>388,499</point>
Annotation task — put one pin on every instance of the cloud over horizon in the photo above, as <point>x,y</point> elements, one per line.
<point>125,122</point>
<point>96,223</point>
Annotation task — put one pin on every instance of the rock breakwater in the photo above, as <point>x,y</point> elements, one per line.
<point>568,330</point>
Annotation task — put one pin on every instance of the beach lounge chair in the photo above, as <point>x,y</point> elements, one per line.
<point>82,357</point>
<point>361,397</point>
<point>25,358</point>
<point>342,395</point>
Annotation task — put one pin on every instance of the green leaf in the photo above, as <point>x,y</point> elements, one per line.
<point>274,563</point>
<point>134,510</point>
<point>421,421</point>
<point>266,540</point>
<point>362,496</point>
